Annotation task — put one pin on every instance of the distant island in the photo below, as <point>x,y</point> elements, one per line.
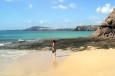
<point>78,28</point>
<point>36,28</point>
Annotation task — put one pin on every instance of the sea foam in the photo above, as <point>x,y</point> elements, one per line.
<point>1,44</point>
<point>7,55</point>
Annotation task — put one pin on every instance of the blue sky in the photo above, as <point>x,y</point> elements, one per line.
<point>21,14</point>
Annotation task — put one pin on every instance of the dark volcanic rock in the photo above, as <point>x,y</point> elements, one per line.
<point>87,28</point>
<point>107,28</point>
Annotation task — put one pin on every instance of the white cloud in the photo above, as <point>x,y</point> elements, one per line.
<point>29,21</point>
<point>105,9</point>
<point>61,0</point>
<point>57,4</point>
<point>95,19</point>
<point>54,7</point>
<point>30,6</point>
<point>9,0</point>
<point>62,7</point>
<point>66,20</point>
<point>43,21</point>
<point>65,7</point>
<point>57,1</point>
<point>72,5</point>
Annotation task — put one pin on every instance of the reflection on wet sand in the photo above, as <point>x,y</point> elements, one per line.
<point>55,62</point>
<point>63,55</point>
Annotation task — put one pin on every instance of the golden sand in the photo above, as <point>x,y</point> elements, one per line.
<point>96,62</point>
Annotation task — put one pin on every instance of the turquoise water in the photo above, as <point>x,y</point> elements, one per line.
<point>28,35</point>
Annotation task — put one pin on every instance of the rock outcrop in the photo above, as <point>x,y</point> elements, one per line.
<point>107,28</point>
<point>87,28</point>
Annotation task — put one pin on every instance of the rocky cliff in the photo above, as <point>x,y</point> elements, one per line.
<point>107,27</point>
<point>87,28</point>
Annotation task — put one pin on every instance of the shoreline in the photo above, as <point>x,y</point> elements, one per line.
<point>34,61</point>
<point>78,44</point>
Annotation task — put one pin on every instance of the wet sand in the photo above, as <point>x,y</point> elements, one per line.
<point>35,63</point>
<point>94,62</point>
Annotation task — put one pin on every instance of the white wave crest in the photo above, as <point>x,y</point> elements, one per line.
<point>12,54</point>
<point>1,44</point>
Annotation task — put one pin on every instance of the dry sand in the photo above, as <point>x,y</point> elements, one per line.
<point>95,62</point>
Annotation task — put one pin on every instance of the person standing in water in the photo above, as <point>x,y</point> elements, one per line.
<point>54,47</point>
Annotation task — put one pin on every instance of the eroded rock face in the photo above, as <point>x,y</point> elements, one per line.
<point>107,28</point>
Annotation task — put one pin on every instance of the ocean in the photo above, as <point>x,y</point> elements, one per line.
<point>30,35</point>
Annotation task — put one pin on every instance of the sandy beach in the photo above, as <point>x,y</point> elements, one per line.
<point>94,62</point>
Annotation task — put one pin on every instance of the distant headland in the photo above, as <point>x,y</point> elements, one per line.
<point>78,28</point>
